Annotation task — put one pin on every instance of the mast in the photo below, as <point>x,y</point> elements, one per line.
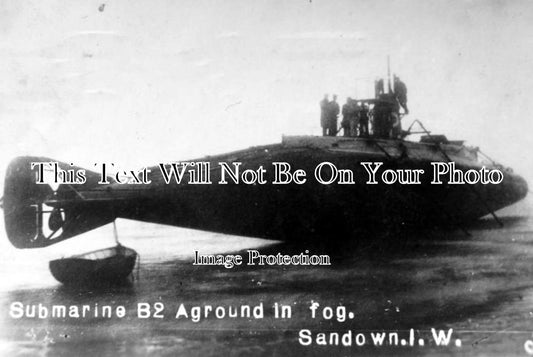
<point>389,88</point>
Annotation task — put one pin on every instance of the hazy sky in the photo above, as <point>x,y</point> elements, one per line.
<point>139,82</point>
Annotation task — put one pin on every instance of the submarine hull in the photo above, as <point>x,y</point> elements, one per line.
<point>303,211</point>
<point>290,212</point>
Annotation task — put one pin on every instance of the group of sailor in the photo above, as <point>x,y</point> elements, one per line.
<point>356,114</point>
<point>399,91</point>
<point>354,118</point>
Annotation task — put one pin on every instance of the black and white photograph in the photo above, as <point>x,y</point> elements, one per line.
<point>266,178</point>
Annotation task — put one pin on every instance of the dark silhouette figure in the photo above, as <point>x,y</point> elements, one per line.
<point>400,91</point>
<point>324,119</point>
<point>363,120</point>
<point>379,87</point>
<point>349,114</point>
<point>333,115</point>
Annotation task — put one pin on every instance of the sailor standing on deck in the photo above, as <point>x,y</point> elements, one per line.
<point>379,88</point>
<point>324,109</point>
<point>333,113</point>
<point>400,90</point>
<point>347,112</point>
<point>354,117</point>
<point>363,120</point>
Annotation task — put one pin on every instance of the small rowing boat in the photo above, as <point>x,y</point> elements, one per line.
<point>104,265</point>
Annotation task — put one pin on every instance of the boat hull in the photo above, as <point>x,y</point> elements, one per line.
<point>266,210</point>
<point>302,211</point>
<point>78,270</point>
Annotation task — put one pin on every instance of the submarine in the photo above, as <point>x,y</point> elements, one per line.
<point>37,216</point>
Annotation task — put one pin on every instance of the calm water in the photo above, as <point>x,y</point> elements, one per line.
<point>481,286</point>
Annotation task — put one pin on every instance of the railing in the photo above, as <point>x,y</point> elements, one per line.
<point>437,145</point>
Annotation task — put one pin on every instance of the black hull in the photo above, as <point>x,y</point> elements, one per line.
<point>282,212</point>
<point>78,271</point>
<point>296,212</point>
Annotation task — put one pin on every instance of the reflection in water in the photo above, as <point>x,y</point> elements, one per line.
<point>391,282</point>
